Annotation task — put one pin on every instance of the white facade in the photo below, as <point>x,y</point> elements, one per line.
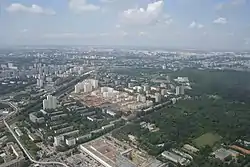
<point>94,83</point>
<point>78,88</point>
<point>141,98</point>
<point>163,92</point>
<point>177,90</point>
<point>71,141</point>
<point>146,88</point>
<point>106,89</point>
<point>157,97</point>
<point>58,140</point>
<point>87,87</point>
<point>50,102</point>
<point>175,158</point>
<point>39,83</point>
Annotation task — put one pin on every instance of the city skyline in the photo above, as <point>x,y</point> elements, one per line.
<point>216,24</point>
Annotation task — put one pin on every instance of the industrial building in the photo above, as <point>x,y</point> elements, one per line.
<point>223,153</point>
<point>175,158</point>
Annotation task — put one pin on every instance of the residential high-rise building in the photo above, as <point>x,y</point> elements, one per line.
<point>145,88</point>
<point>163,92</point>
<point>182,90</point>
<point>87,87</point>
<point>39,83</point>
<point>94,83</point>
<point>141,98</point>
<point>78,88</point>
<point>177,90</point>
<point>157,97</point>
<point>50,102</point>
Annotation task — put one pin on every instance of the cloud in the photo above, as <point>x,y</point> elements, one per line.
<point>220,20</point>
<point>142,33</point>
<point>230,3</point>
<point>196,25</point>
<point>82,6</point>
<point>117,26</point>
<point>165,19</point>
<point>107,1</point>
<point>17,7</point>
<point>24,30</point>
<point>141,16</point>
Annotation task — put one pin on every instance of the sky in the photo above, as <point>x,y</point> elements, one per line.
<point>182,24</point>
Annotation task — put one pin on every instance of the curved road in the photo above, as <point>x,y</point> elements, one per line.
<point>20,144</point>
<point>23,148</point>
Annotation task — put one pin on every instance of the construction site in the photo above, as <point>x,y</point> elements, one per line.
<point>115,100</point>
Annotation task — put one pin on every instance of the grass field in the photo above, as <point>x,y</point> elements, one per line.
<point>207,139</point>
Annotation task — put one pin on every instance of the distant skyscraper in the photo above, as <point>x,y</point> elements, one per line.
<point>141,98</point>
<point>157,97</point>
<point>177,90</point>
<point>164,67</point>
<point>145,88</point>
<point>182,90</point>
<point>77,88</point>
<point>39,83</point>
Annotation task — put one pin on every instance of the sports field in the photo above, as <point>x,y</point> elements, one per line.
<point>207,139</point>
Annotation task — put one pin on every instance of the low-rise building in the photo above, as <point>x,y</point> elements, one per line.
<point>33,137</point>
<point>223,153</point>
<point>63,130</point>
<point>56,117</point>
<point>71,141</point>
<point>84,137</point>
<point>190,149</point>
<point>107,126</point>
<point>35,119</point>
<point>58,140</point>
<point>18,131</point>
<point>111,113</point>
<point>175,158</point>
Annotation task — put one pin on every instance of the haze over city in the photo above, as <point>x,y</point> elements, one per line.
<point>124,83</point>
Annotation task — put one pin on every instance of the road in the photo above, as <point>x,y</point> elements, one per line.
<point>20,144</point>
<point>16,110</point>
<point>27,153</point>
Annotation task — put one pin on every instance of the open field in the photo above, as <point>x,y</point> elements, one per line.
<point>207,139</point>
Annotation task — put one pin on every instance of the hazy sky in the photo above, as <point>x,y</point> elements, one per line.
<point>200,24</point>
